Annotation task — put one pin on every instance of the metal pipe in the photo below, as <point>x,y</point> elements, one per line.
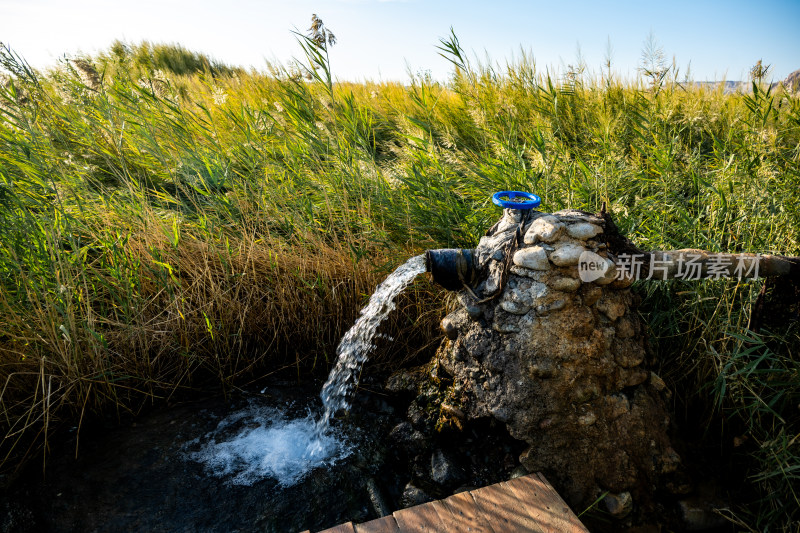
<point>452,268</point>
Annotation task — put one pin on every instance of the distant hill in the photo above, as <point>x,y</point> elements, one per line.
<point>728,87</point>
<point>792,81</point>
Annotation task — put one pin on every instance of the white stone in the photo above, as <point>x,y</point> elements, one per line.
<point>515,308</point>
<point>533,257</point>
<point>567,254</point>
<point>537,275</point>
<point>583,230</point>
<point>544,229</point>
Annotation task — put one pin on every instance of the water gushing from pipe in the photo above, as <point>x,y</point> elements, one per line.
<point>357,342</point>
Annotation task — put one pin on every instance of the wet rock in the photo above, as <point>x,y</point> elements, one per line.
<point>519,471</point>
<point>17,519</point>
<point>444,470</point>
<point>376,498</point>
<point>544,229</point>
<point>408,439</point>
<point>698,515</point>
<point>413,495</point>
<point>534,257</point>
<point>566,254</point>
<point>619,505</point>
<point>583,230</point>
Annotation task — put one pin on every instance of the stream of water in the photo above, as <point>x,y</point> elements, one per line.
<point>356,344</point>
<point>286,450</point>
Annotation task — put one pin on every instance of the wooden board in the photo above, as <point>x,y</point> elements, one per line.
<point>525,504</point>
<point>387,524</point>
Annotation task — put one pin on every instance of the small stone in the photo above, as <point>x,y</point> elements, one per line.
<point>583,230</point>
<point>567,254</point>
<point>407,438</point>
<point>565,284</point>
<point>543,310</point>
<point>514,308</point>
<point>444,471</point>
<point>636,377</point>
<point>519,471</point>
<point>527,455</point>
<point>657,382</point>
<point>618,505</point>
<point>537,275</point>
<point>413,495</point>
<point>627,354</point>
<point>545,229</point>
<point>533,257</point>
<point>450,330</point>
<point>474,312</point>
<point>587,419</point>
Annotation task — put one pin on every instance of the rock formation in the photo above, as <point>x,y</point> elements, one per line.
<point>561,361</point>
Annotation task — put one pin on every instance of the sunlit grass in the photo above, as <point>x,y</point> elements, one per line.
<point>162,231</point>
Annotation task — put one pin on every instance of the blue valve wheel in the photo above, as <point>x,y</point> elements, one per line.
<point>530,200</point>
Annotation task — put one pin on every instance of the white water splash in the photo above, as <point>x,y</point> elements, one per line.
<point>357,342</point>
<point>269,446</point>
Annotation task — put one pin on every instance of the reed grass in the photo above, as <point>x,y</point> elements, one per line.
<point>168,229</point>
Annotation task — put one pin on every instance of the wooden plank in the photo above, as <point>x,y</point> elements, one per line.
<point>545,505</point>
<point>459,513</point>
<point>421,518</point>
<point>341,528</point>
<point>503,510</point>
<point>386,524</point>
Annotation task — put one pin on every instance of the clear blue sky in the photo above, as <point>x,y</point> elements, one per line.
<point>378,39</point>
